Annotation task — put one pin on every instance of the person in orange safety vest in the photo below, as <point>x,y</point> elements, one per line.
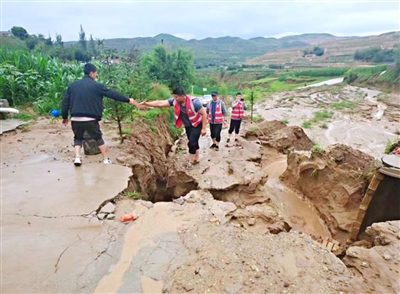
<point>216,111</point>
<point>238,108</point>
<point>188,112</point>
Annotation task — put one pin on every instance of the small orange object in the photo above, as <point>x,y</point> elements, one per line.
<point>128,217</point>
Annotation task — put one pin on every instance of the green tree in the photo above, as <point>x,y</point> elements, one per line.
<point>119,78</point>
<point>81,55</point>
<point>141,83</point>
<point>375,54</point>
<point>92,46</point>
<point>48,41</point>
<point>318,51</point>
<point>82,39</point>
<point>252,95</point>
<point>59,40</point>
<point>180,69</point>
<point>170,68</point>
<point>19,32</point>
<point>31,42</point>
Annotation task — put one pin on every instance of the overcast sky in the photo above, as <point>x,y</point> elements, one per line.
<point>200,19</point>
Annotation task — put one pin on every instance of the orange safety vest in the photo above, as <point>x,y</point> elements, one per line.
<point>238,111</point>
<point>218,116</point>
<point>195,118</point>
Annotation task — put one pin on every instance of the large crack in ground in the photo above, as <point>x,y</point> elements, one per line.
<point>61,254</point>
<point>111,240</point>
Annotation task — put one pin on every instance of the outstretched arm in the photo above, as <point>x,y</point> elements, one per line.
<point>104,91</point>
<point>158,103</point>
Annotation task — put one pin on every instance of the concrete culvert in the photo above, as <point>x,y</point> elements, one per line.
<point>381,201</point>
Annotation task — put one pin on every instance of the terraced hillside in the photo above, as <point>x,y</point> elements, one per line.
<point>337,52</point>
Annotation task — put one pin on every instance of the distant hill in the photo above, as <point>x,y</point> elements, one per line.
<point>221,50</point>
<point>338,52</point>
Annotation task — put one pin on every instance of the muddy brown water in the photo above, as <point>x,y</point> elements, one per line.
<point>299,212</point>
<point>368,131</point>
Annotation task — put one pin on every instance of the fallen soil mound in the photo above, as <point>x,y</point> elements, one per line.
<point>279,136</point>
<point>333,180</point>
<point>376,268</point>
<point>224,256</point>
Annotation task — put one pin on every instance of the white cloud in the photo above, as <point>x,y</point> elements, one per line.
<point>202,19</point>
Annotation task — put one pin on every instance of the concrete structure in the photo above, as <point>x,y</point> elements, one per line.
<point>52,240</point>
<point>381,201</point>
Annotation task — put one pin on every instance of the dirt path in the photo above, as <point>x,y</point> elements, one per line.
<point>196,243</point>
<point>368,125</point>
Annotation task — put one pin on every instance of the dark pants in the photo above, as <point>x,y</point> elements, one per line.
<point>92,127</point>
<point>216,131</point>
<point>193,135</point>
<point>235,125</point>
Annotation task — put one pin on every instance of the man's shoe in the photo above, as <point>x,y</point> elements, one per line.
<point>107,161</point>
<point>216,148</point>
<point>213,146</point>
<point>190,165</point>
<point>77,161</point>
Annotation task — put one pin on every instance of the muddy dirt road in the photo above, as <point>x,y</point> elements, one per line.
<point>360,118</point>
<point>237,229</point>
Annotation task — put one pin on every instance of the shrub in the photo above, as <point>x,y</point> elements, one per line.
<point>317,149</point>
<point>306,124</point>
<point>322,115</point>
<point>391,145</point>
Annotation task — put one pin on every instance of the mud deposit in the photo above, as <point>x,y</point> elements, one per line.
<point>252,217</point>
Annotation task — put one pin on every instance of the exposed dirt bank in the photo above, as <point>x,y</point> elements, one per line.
<point>278,199</point>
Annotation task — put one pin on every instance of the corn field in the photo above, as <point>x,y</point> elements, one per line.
<point>32,79</point>
<point>40,81</point>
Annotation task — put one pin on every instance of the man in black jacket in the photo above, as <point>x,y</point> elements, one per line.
<point>84,102</point>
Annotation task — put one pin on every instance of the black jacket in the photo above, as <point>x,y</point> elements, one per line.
<point>84,98</point>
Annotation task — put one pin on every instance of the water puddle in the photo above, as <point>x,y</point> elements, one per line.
<point>300,214</point>
<point>328,82</point>
<point>41,158</point>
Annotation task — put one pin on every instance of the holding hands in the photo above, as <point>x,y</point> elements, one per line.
<point>134,103</point>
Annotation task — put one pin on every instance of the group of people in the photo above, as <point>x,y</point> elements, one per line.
<point>83,101</point>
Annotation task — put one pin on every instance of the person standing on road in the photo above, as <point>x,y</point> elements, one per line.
<point>84,102</point>
<point>190,113</point>
<point>216,111</point>
<point>238,108</point>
